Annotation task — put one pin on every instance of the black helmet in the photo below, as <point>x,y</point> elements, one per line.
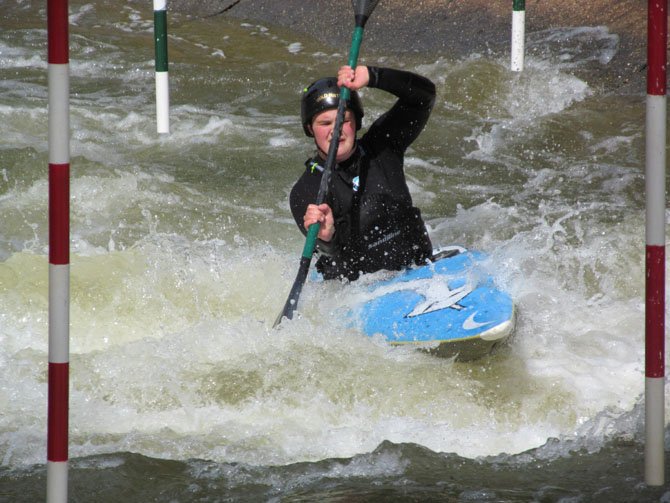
<point>324,94</point>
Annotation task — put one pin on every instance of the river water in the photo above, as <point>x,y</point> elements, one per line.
<point>183,252</point>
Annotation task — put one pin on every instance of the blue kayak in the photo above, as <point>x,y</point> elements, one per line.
<point>449,307</point>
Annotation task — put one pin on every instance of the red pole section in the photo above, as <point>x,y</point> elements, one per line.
<point>657,33</point>
<point>59,250</point>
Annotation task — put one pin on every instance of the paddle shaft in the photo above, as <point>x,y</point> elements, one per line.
<point>313,231</point>
<point>345,94</point>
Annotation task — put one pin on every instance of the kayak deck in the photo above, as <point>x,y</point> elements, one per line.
<point>450,307</point>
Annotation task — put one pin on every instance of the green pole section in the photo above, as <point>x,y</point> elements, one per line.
<point>519,5</point>
<point>160,32</point>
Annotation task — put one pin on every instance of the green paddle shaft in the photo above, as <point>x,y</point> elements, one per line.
<point>345,94</point>
<point>363,10</point>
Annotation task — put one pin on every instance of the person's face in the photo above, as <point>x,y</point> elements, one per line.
<point>322,128</point>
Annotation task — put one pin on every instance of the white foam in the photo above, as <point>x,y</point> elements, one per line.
<point>295,47</point>
<point>575,46</point>
<point>540,91</point>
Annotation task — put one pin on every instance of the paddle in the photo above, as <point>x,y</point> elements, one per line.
<point>362,11</point>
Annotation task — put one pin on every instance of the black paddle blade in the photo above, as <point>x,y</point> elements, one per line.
<point>364,7</point>
<point>292,301</point>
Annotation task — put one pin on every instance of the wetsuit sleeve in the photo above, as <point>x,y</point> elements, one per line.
<point>304,192</point>
<point>403,123</point>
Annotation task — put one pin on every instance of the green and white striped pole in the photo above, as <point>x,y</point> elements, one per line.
<point>518,34</point>
<point>162,86</point>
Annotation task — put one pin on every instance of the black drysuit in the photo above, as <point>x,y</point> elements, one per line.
<point>376,225</point>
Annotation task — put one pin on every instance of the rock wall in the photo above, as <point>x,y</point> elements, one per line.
<point>456,27</point>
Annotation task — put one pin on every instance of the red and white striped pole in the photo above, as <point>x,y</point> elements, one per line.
<point>657,33</point>
<point>59,250</point>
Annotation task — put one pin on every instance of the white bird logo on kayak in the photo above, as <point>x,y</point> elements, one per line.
<point>439,296</point>
<point>436,294</point>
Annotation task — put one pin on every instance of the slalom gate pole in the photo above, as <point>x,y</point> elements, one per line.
<point>518,34</point>
<point>657,33</point>
<point>162,81</point>
<point>59,250</point>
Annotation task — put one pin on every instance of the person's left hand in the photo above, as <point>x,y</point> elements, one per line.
<point>353,79</point>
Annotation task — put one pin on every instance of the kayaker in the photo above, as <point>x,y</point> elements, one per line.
<point>368,221</point>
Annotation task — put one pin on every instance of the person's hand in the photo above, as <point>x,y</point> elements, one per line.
<point>324,216</point>
<point>352,78</point>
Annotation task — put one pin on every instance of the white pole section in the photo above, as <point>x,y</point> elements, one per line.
<point>59,250</point>
<point>162,81</point>
<point>657,33</point>
<point>518,34</point>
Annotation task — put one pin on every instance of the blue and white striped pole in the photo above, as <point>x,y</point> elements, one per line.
<point>518,34</point>
<point>162,81</point>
